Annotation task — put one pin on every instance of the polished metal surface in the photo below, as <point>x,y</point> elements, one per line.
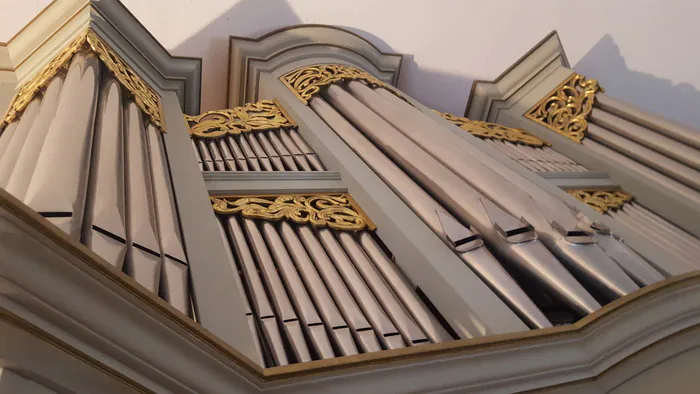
<point>206,157</point>
<point>237,153</point>
<point>271,152</point>
<point>689,240</point>
<point>259,151</point>
<point>306,311</point>
<point>340,333</point>
<point>465,202</point>
<point>354,317</point>
<point>282,150</point>
<point>249,154</point>
<point>308,152</point>
<point>228,156</point>
<point>295,151</point>
<point>459,237</point>
<point>568,242</point>
<point>216,155</point>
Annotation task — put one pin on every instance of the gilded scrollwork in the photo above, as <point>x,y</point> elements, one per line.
<point>263,115</point>
<point>305,82</point>
<point>488,130</point>
<point>144,97</point>
<point>335,211</point>
<point>566,109</point>
<point>602,200</point>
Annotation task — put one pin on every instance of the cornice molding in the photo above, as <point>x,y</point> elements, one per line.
<point>51,30</point>
<point>249,57</point>
<point>34,252</point>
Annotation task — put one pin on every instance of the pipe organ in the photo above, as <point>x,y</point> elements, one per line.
<point>326,232</point>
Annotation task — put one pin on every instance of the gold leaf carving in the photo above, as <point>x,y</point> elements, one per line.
<point>487,130</point>
<point>565,110</point>
<point>263,115</point>
<point>144,97</point>
<point>602,200</point>
<point>339,212</point>
<point>305,82</point>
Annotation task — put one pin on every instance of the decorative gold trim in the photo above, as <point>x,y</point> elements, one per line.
<point>602,200</point>
<point>87,261</point>
<point>143,95</point>
<point>566,108</point>
<point>263,115</point>
<point>337,211</point>
<point>306,82</point>
<point>494,131</point>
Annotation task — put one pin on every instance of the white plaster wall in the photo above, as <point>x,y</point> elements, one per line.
<point>642,51</point>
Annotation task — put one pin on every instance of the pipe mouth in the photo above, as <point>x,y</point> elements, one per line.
<point>577,235</point>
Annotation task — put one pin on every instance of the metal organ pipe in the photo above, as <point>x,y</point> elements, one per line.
<point>463,240</point>
<point>14,147</point>
<point>572,245</point>
<point>510,236</point>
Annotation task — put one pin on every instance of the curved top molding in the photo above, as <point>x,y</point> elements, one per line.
<point>51,30</point>
<point>249,57</point>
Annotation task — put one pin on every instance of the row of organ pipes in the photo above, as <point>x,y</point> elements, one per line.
<point>281,149</point>
<point>84,156</point>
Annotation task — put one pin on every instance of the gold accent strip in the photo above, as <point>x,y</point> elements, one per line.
<point>306,82</point>
<point>337,211</point>
<point>494,131</point>
<point>143,95</point>
<point>602,200</point>
<point>263,115</point>
<point>92,264</point>
<point>566,108</point>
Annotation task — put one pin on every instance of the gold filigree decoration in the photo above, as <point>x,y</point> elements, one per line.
<point>494,131</point>
<point>305,82</point>
<point>263,115</point>
<point>566,108</point>
<point>339,211</point>
<point>144,97</point>
<point>602,200</point>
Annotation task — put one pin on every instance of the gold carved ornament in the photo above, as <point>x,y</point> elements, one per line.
<point>488,130</point>
<point>565,110</point>
<point>144,97</point>
<point>602,200</point>
<point>338,211</point>
<point>306,82</point>
<point>263,115</point>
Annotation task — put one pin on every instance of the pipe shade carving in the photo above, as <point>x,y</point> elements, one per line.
<point>147,100</point>
<point>487,130</point>
<point>339,212</point>
<point>306,82</point>
<point>602,200</point>
<point>565,109</point>
<point>259,116</point>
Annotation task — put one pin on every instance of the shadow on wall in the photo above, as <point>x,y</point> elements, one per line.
<point>680,102</point>
<point>253,18</point>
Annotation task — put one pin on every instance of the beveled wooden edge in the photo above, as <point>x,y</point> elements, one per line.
<point>96,266</point>
<point>14,320</point>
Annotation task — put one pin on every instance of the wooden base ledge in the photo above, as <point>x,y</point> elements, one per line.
<point>72,307</point>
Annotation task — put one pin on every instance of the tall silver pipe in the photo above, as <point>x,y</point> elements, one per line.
<point>412,334</point>
<point>463,240</point>
<point>306,310</point>
<point>243,297</point>
<point>388,335</point>
<point>260,302</point>
<point>335,324</point>
<point>217,158</point>
<point>206,156</point>
<point>648,157</point>
<point>690,239</point>
<point>308,152</point>
<point>237,153</point>
<point>282,150</point>
<point>259,151</point>
<point>561,235</point>
<point>197,154</point>
<point>359,326</point>
<point>226,152</point>
<point>280,299</point>
<point>643,170</point>
<point>14,148</point>
<point>249,154</point>
<point>271,152</point>
<point>6,136</point>
<point>510,236</point>
<point>428,322</point>
<point>295,151</point>
<point>26,162</point>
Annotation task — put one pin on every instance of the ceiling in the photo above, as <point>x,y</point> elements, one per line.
<point>636,48</point>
